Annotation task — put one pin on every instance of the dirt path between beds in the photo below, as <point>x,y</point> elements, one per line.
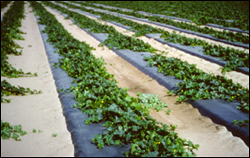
<point>40,111</point>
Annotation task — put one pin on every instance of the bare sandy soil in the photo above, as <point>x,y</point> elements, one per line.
<point>214,139</point>
<point>40,111</point>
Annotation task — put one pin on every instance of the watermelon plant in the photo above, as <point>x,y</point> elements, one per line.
<point>8,131</point>
<point>8,89</point>
<point>151,101</point>
<point>98,96</point>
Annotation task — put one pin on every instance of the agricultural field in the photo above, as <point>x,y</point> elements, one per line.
<point>124,78</point>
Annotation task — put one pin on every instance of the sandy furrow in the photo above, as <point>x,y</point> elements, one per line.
<point>214,139</point>
<point>201,64</point>
<point>40,111</point>
<point>215,28</point>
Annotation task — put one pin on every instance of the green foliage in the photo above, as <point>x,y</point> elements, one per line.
<point>168,111</point>
<point>242,122</point>
<point>98,96</point>
<point>151,101</point>
<point>225,35</point>
<point>125,42</point>
<point>8,131</point>
<point>201,12</point>
<point>9,31</point>
<point>54,135</point>
<point>140,29</point>
<point>8,89</point>
<point>199,85</point>
<point>235,58</point>
<point>115,39</point>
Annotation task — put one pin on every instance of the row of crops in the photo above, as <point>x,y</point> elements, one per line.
<point>226,35</point>
<point>10,31</point>
<point>229,14</point>
<point>126,118</point>
<point>197,84</point>
<point>235,58</point>
<point>127,121</point>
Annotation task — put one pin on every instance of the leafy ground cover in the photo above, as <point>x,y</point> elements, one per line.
<point>200,85</point>
<point>199,12</point>
<point>197,84</point>
<point>226,35</point>
<point>138,28</point>
<point>234,57</point>
<point>8,131</point>
<point>127,120</point>
<point>8,89</point>
<point>115,39</point>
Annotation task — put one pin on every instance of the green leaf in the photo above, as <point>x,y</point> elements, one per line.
<point>54,135</point>
<point>117,142</point>
<point>16,136</point>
